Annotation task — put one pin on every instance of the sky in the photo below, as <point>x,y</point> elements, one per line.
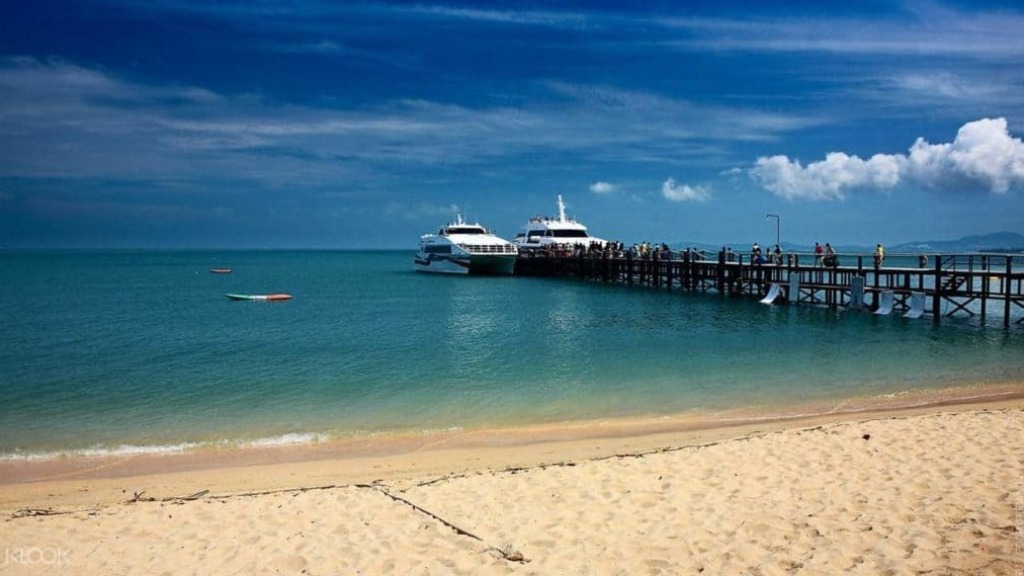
<point>355,125</point>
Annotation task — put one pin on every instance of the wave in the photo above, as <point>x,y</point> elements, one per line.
<point>290,439</point>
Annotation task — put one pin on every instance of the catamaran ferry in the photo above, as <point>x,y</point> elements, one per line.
<point>554,233</point>
<point>461,248</point>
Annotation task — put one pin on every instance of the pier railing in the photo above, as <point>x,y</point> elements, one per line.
<point>982,285</point>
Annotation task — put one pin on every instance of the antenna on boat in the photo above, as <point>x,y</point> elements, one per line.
<point>561,209</point>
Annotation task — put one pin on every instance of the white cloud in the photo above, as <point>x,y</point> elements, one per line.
<point>79,122</point>
<point>927,29</point>
<point>610,114</point>
<point>602,188</point>
<point>570,20</point>
<point>949,93</point>
<point>683,193</point>
<point>942,84</point>
<point>826,179</point>
<point>983,153</point>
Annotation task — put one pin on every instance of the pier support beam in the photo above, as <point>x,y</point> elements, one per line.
<point>857,292</point>
<point>1006,291</point>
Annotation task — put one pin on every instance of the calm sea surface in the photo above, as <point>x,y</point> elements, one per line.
<point>124,351</point>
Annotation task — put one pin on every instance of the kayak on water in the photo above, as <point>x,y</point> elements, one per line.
<point>259,296</point>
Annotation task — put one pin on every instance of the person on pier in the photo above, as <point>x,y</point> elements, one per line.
<point>831,259</point>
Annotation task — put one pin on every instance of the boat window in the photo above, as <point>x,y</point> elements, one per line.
<point>438,249</point>
<point>570,234</point>
<point>466,230</point>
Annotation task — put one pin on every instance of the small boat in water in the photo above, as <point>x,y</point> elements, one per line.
<point>257,297</point>
<point>461,248</point>
<point>220,270</point>
<point>544,233</point>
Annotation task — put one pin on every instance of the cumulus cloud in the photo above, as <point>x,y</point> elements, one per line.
<point>982,154</point>
<point>826,179</point>
<point>602,188</point>
<point>983,151</point>
<point>683,193</point>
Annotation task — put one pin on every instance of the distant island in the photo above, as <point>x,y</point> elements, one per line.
<point>996,242</point>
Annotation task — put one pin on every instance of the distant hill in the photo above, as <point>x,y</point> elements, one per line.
<point>997,242</point>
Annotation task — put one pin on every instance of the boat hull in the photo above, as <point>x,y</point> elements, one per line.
<point>466,264</point>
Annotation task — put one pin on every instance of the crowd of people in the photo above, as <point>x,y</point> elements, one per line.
<point>825,256</point>
<point>641,251</point>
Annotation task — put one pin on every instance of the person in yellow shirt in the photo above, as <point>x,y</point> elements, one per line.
<point>879,255</point>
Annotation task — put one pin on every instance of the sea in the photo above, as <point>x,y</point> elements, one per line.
<point>135,351</point>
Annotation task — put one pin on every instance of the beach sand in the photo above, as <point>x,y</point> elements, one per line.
<point>933,490</point>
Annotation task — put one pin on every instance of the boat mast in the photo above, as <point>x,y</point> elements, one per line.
<point>561,209</point>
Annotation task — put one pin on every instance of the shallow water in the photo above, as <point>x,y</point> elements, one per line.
<point>109,351</point>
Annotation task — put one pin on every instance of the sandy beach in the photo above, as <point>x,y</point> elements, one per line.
<point>928,490</point>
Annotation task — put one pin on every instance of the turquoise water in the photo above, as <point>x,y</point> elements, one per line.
<point>123,351</point>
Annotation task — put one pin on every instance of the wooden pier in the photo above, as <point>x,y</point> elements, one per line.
<point>981,285</point>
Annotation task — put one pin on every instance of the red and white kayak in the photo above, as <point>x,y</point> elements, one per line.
<point>269,297</point>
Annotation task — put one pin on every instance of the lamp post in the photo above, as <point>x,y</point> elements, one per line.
<point>776,216</point>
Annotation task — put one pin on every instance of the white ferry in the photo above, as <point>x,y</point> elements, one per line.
<point>544,232</point>
<point>461,248</point>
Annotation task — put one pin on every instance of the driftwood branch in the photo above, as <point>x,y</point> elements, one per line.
<point>439,480</point>
<point>30,512</point>
<point>137,497</point>
<point>421,510</point>
<point>507,553</point>
<point>195,496</point>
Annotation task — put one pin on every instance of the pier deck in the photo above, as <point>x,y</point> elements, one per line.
<point>982,285</point>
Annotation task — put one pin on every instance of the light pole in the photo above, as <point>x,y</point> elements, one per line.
<point>776,216</point>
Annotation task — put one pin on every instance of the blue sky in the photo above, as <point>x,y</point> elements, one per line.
<point>187,123</point>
